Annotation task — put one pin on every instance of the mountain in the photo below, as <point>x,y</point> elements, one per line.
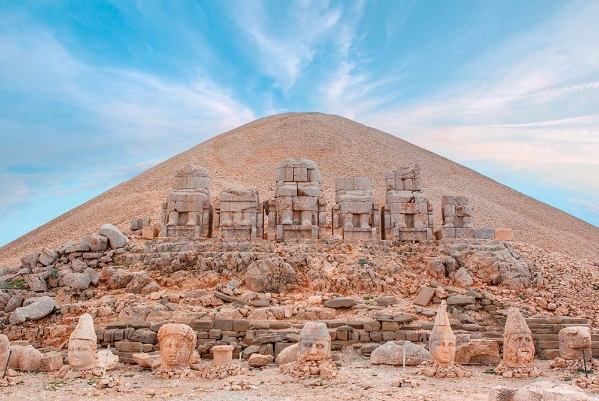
<point>247,156</point>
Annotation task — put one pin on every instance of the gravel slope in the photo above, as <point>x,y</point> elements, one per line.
<point>247,156</point>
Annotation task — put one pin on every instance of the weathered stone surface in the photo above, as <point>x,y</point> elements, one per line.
<point>287,355</point>
<point>105,359</point>
<point>119,279</point>
<point>24,358</point>
<point>573,341</point>
<point>115,237</point>
<point>36,282</point>
<point>504,234</point>
<point>98,242</point>
<point>478,351</point>
<point>177,342</point>
<point>42,307</point>
<point>258,360</point>
<point>339,303</point>
<point>392,354</point>
<point>51,361</point>
<point>77,281</point>
<point>518,346</point>
<point>146,360</point>
<point>442,342</point>
<point>541,391</point>
<point>222,355</point>
<point>47,257</point>
<point>269,275</point>
<point>314,342</point>
<point>4,350</point>
<point>93,275</point>
<point>13,303</point>
<point>460,300</point>
<point>425,296</point>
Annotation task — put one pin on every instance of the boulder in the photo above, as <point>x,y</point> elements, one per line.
<point>97,242</point>
<point>146,360</point>
<point>392,354</point>
<point>228,314</point>
<point>539,391</point>
<point>16,301</point>
<point>42,307</point>
<point>115,237</point>
<point>76,281</point>
<point>36,282</point>
<point>93,275</point>
<point>287,355</point>
<point>478,351</point>
<point>269,275</point>
<point>462,277</point>
<point>258,360</point>
<point>138,282</point>
<point>119,279</point>
<point>78,265</point>
<point>47,257</point>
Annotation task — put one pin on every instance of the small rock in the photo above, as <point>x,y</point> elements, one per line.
<point>257,360</point>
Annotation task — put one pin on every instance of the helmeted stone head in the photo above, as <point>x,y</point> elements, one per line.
<point>442,340</point>
<point>573,341</point>
<point>83,344</point>
<point>314,342</point>
<point>177,342</point>
<point>518,348</point>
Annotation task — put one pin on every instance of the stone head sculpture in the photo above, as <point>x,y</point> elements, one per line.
<point>518,348</point>
<point>4,350</point>
<point>573,341</point>
<point>82,344</point>
<point>314,342</point>
<point>177,342</point>
<point>442,341</point>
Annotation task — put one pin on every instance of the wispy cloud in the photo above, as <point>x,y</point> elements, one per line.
<point>286,38</point>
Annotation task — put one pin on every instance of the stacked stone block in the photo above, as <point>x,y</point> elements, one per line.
<point>239,214</point>
<point>355,216</point>
<point>407,215</point>
<point>187,211</point>
<point>297,211</point>
<point>457,217</point>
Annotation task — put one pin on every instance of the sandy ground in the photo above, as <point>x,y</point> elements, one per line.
<point>357,380</point>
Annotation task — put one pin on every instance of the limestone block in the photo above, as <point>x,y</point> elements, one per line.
<point>146,360</point>
<point>93,275</point>
<point>399,196</point>
<point>199,195</point>
<point>448,211</point>
<point>390,184</point>
<point>284,203</point>
<point>258,360</point>
<point>407,184</point>
<point>541,390</point>
<point>287,355</point>
<point>363,184</point>
<point>36,282</point>
<point>98,242</point>
<point>300,174</point>
<point>286,190</point>
<point>360,207</point>
<point>445,233</point>
<point>47,257</point>
<point>197,182</point>
<point>106,359</point>
<point>504,234</point>
<point>425,296</point>
<point>116,238</point>
<point>392,354</point>
<point>24,358</point>
<point>51,361</point>
<point>464,233</point>
<point>76,281</point>
<point>308,189</point>
<point>149,232</point>
<point>339,303</point>
<point>483,351</point>
<point>344,183</point>
<point>305,203</point>
<point>420,221</point>
<point>222,355</point>
<point>483,233</point>
<point>42,307</point>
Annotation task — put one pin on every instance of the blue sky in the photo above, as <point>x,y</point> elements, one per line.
<point>93,93</point>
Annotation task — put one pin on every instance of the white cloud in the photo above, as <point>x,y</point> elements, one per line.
<point>287,43</point>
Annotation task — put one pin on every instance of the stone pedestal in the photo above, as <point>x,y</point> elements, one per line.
<point>355,216</point>
<point>222,355</point>
<point>239,215</point>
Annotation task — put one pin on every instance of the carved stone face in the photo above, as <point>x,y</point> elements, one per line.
<point>443,349</point>
<point>573,340</point>
<point>519,349</point>
<point>82,354</point>
<point>175,352</point>
<point>314,342</point>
